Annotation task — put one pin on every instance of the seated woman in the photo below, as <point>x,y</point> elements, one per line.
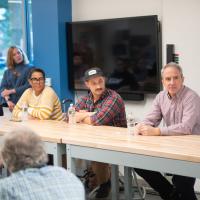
<point>41,101</point>
<point>14,81</point>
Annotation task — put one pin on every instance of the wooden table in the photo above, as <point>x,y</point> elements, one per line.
<point>48,130</point>
<point>171,154</point>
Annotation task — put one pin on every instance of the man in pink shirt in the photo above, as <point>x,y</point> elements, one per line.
<point>178,106</point>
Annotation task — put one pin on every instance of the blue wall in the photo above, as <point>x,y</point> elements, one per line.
<point>49,41</point>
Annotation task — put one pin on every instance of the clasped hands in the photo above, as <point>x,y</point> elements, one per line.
<point>7,92</point>
<point>82,115</point>
<point>143,129</point>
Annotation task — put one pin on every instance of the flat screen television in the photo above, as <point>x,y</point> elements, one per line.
<point>126,49</point>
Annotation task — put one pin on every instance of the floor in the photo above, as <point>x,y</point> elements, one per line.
<point>150,194</point>
<point>147,197</point>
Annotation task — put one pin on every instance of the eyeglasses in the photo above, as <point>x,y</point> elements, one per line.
<point>35,80</point>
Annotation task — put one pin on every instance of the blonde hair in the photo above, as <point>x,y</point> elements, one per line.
<point>10,60</point>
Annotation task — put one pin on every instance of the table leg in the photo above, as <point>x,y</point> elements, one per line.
<point>57,150</point>
<point>114,182</point>
<point>71,165</point>
<point>128,183</point>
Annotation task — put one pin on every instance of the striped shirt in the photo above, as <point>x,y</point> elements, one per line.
<point>110,109</point>
<point>181,113</point>
<point>44,106</point>
<point>45,183</point>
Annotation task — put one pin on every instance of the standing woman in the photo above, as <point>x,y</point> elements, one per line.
<point>15,78</point>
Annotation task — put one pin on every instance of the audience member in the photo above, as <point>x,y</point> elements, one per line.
<point>14,81</point>
<point>41,101</point>
<point>24,156</point>
<point>101,106</point>
<point>178,106</point>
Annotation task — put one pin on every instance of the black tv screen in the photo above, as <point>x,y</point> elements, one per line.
<point>126,49</point>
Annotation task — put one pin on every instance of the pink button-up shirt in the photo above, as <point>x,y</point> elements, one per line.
<point>181,113</point>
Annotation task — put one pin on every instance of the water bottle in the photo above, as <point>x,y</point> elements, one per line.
<point>130,123</point>
<point>71,114</point>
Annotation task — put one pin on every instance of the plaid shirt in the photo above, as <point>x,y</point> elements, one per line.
<point>45,183</point>
<point>110,109</point>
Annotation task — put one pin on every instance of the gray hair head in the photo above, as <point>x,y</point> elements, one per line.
<point>22,149</point>
<point>172,64</point>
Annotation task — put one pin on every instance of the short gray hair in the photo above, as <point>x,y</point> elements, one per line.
<point>172,64</point>
<point>22,149</point>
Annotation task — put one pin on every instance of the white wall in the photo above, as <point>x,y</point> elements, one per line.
<point>179,19</point>
<point>105,9</point>
<point>95,9</point>
<point>181,27</point>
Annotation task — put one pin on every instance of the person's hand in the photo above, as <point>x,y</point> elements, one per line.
<point>81,115</point>
<point>31,117</point>
<point>148,130</point>
<point>136,129</point>
<point>91,113</point>
<point>7,92</point>
<point>11,105</point>
<point>82,111</point>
